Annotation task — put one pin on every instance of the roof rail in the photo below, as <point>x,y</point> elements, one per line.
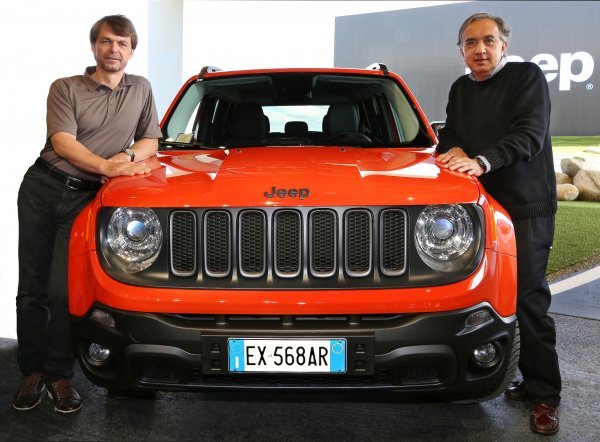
<point>378,67</point>
<point>207,69</point>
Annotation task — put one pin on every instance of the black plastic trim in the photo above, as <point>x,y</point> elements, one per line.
<point>416,274</point>
<point>416,352</point>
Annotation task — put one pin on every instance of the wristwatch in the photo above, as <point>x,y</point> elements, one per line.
<point>480,162</point>
<point>131,154</point>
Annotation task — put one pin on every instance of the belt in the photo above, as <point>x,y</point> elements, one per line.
<point>70,182</point>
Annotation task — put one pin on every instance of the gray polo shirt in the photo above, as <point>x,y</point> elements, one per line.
<point>103,120</point>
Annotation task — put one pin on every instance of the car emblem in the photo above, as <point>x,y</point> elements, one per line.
<point>300,193</point>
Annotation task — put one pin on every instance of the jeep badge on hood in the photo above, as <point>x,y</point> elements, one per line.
<point>292,193</point>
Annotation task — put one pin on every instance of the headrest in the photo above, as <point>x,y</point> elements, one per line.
<point>296,128</point>
<point>249,121</point>
<point>341,117</point>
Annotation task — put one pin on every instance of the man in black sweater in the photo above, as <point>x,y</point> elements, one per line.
<point>497,129</point>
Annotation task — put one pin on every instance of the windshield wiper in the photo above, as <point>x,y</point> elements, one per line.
<point>185,146</point>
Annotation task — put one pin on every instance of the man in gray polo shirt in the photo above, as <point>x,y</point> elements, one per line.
<point>101,124</point>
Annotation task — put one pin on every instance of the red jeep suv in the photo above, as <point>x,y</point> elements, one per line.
<point>296,232</point>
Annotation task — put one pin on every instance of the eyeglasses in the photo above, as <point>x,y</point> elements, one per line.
<point>489,42</point>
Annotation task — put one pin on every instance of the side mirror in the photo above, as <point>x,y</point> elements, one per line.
<point>436,126</point>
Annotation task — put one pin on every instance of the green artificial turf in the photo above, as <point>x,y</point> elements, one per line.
<point>576,238</point>
<point>576,141</point>
<point>574,145</point>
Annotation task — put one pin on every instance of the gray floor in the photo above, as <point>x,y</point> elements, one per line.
<point>582,301</point>
<point>325,416</point>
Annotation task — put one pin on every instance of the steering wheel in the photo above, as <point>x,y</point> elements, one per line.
<point>349,136</point>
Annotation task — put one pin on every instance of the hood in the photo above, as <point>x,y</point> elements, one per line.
<point>292,176</point>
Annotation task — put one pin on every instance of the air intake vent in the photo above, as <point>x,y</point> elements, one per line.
<point>183,243</point>
<point>323,243</point>
<point>288,231</point>
<point>217,243</point>
<point>253,243</point>
<point>393,239</point>
<point>359,242</point>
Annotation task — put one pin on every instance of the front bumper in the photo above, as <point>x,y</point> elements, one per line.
<point>428,352</point>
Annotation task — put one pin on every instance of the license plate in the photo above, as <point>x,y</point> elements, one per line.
<point>287,355</point>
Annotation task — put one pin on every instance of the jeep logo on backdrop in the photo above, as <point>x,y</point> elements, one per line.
<point>570,68</point>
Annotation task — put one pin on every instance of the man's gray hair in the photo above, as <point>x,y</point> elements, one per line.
<point>503,27</point>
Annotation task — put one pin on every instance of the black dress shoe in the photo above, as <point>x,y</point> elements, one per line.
<point>65,397</point>
<point>29,395</point>
<point>516,392</point>
<point>544,419</point>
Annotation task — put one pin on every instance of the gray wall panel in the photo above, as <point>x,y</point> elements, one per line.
<point>420,45</point>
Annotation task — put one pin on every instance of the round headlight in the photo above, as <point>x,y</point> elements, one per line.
<point>444,235</point>
<point>135,236</point>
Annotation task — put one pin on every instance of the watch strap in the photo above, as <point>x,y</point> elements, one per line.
<point>483,163</point>
<point>131,154</point>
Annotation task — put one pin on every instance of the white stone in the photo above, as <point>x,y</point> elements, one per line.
<point>563,178</point>
<point>566,192</point>
<point>588,184</point>
<point>571,166</point>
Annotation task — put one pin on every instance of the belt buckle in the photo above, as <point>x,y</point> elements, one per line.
<point>77,183</point>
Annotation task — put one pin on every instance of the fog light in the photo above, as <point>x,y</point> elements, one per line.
<point>486,355</point>
<point>98,354</point>
<point>102,317</point>
<point>477,318</point>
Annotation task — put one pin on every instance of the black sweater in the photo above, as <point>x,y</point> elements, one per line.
<point>506,119</point>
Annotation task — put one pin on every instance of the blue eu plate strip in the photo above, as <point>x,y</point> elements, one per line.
<point>338,355</point>
<point>236,355</point>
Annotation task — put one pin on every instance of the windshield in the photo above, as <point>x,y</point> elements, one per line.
<point>291,109</point>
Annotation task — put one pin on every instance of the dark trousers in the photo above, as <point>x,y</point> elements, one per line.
<point>46,211</point>
<point>538,360</point>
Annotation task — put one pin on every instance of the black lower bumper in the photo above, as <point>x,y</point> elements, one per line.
<point>430,352</point>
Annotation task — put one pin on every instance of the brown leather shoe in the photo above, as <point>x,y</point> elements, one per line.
<point>544,419</point>
<point>65,397</point>
<point>516,392</point>
<point>30,392</point>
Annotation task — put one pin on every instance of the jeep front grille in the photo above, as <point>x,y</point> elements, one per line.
<point>288,244</point>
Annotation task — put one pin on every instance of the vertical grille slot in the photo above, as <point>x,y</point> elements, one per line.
<point>253,243</point>
<point>359,242</point>
<point>323,242</point>
<point>287,243</point>
<point>217,243</point>
<point>183,243</point>
<point>393,242</point>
